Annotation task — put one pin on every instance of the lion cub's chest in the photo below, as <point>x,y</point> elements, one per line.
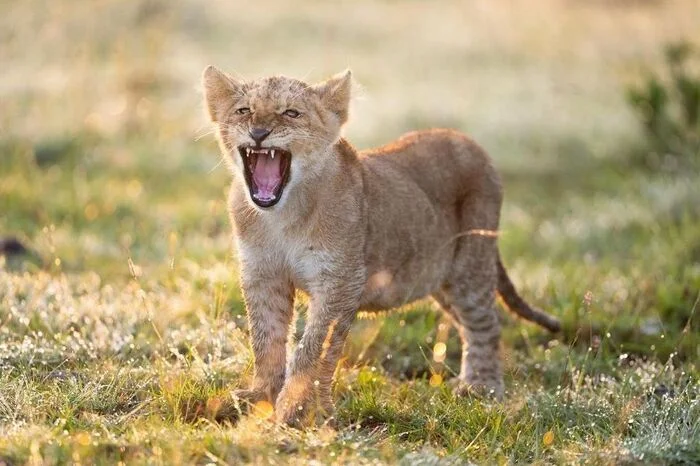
<point>307,266</point>
<point>294,254</point>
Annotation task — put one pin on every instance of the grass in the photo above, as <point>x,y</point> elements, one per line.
<point>122,327</point>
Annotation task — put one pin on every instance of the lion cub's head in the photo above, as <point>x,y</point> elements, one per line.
<point>275,129</point>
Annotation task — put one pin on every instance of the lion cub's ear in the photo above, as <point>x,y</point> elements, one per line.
<point>219,90</point>
<point>335,94</point>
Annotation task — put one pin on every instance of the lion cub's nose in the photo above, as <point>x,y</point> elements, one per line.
<point>259,134</point>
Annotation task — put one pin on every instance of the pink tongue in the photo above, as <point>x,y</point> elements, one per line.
<point>267,176</point>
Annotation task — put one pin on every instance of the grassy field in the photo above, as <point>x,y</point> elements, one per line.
<point>122,327</point>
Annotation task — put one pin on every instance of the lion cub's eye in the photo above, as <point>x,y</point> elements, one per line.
<point>242,111</point>
<point>291,113</point>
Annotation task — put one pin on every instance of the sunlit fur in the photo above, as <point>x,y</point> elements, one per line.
<point>358,231</point>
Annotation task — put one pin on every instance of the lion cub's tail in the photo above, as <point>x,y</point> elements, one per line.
<point>518,305</point>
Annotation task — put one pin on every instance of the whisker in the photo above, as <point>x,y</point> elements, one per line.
<point>221,160</point>
<point>303,78</point>
<point>200,136</point>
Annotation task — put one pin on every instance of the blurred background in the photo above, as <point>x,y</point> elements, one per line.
<point>111,184</point>
<point>104,96</point>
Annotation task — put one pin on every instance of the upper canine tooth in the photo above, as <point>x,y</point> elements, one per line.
<point>272,152</point>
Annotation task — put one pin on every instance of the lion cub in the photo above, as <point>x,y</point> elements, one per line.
<point>355,231</point>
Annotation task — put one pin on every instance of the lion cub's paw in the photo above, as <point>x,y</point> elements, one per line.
<point>239,402</point>
<point>304,412</point>
<point>492,389</point>
<point>245,398</point>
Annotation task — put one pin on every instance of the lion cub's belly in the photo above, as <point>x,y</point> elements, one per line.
<point>408,265</point>
<point>386,289</point>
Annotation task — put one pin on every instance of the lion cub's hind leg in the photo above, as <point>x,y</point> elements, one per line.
<point>476,321</point>
<point>469,298</point>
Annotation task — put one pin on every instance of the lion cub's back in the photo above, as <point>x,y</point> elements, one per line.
<point>445,163</point>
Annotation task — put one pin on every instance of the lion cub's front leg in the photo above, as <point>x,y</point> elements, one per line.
<point>306,396</point>
<point>269,303</point>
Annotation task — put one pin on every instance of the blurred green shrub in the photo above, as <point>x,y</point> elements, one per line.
<point>668,106</point>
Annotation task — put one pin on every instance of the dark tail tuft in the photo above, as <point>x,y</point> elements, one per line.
<point>518,305</point>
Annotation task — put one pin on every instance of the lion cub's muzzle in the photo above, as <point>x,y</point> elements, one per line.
<point>266,172</point>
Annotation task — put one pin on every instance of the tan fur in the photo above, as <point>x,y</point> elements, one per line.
<point>358,231</point>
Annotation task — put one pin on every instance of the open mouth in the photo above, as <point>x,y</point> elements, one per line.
<point>266,172</point>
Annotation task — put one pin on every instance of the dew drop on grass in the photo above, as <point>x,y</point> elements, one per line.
<point>439,352</point>
<point>548,438</point>
<point>435,380</point>
<point>83,438</point>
